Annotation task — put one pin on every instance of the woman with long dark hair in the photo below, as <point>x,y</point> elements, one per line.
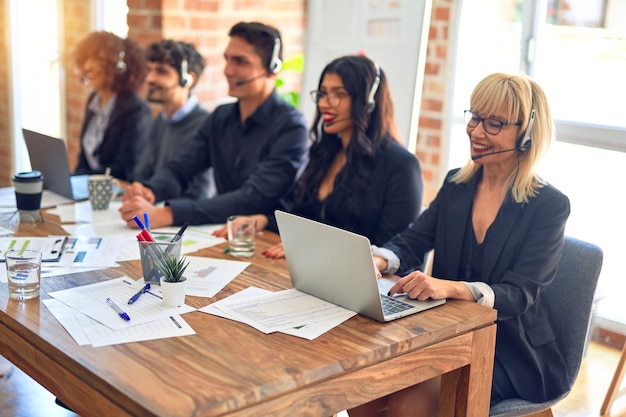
<point>359,176</point>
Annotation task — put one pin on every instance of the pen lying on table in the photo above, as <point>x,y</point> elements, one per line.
<point>135,297</point>
<point>118,310</point>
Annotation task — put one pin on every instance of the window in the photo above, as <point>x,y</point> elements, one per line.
<point>576,50</point>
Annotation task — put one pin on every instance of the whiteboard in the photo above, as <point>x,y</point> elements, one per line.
<point>393,33</point>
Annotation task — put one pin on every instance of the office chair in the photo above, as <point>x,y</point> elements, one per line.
<point>570,297</point>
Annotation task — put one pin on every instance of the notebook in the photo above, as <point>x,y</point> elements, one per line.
<point>49,155</point>
<point>336,265</point>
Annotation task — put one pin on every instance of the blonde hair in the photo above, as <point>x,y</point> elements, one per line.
<point>518,95</point>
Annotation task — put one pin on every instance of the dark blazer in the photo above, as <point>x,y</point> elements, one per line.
<point>520,257</point>
<point>129,120</point>
<point>392,199</point>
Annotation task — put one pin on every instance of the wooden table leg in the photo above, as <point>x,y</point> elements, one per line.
<point>470,386</point>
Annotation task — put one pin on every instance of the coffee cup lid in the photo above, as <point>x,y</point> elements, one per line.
<point>30,176</point>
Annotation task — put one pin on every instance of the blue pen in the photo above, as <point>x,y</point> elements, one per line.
<point>146,221</point>
<point>135,297</point>
<point>118,310</point>
<point>139,223</point>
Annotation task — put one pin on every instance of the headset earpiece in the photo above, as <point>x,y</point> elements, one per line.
<point>371,102</point>
<point>526,141</point>
<point>121,65</point>
<point>185,78</point>
<point>275,64</point>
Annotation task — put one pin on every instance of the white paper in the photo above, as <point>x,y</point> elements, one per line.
<point>308,331</point>
<point>99,335</point>
<point>67,317</point>
<point>282,310</point>
<point>84,251</point>
<point>50,247</point>
<point>207,276</point>
<point>81,212</point>
<point>196,237</point>
<point>248,292</point>
<point>91,301</point>
<point>87,331</point>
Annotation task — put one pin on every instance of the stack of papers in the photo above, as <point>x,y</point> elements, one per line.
<point>290,311</point>
<point>90,320</point>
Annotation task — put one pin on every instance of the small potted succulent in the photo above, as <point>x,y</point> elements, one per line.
<point>173,283</point>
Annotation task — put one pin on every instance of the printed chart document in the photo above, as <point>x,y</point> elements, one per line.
<point>91,300</point>
<point>282,310</point>
<point>50,247</point>
<point>207,276</point>
<point>87,331</point>
<point>67,251</point>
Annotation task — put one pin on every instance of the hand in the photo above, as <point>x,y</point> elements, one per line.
<point>419,286</point>
<point>275,252</point>
<point>381,264</point>
<point>138,189</point>
<point>159,216</point>
<point>221,232</point>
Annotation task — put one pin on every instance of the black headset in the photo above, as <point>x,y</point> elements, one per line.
<point>525,140</point>
<point>371,102</point>
<point>121,65</point>
<point>275,64</point>
<point>184,77</point>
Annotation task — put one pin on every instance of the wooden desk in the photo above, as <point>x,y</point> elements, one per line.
<point>230,369</point>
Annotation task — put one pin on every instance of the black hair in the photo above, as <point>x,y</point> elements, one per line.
<point>171,52</point>
<point>371,132</point>
<point>262,37</point>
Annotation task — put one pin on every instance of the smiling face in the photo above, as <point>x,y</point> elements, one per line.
<point>335,106</point>
<point>244,69</point>
<point>92,74</point>
<point>484,143</point>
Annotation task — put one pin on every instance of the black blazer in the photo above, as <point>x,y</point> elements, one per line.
<point>393,198</point>
<point>520,258</point>
<point>129,120</point>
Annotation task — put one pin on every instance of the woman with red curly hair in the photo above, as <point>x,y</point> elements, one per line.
<point>115,116</point>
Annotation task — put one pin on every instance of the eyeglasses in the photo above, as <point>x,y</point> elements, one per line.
<point>491,125</point>
<point>87,74</point>
<point>333,98</point>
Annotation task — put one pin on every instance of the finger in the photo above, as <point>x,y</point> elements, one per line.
<point>396,288</point>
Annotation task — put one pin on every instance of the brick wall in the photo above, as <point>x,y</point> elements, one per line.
<point>205,23</point>
<point>437,82</point>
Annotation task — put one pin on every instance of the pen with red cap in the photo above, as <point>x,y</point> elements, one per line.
<point>144,232</point>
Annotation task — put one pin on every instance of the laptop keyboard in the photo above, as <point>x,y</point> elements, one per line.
<point>392,305</point>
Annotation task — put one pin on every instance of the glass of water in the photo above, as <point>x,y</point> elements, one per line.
<point>23,273</point>
<point>241,234</point>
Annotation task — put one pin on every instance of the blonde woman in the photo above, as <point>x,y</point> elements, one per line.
<point>497,232</point>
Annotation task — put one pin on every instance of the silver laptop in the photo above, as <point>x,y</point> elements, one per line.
<point>336,265</point>
<point>49,155</point>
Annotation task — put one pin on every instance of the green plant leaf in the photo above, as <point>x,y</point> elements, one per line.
<point>171,268</point>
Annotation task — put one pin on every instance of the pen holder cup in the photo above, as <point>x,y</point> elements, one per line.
<point>151,254</point>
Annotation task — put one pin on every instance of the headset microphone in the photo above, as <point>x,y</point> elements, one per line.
<point>332,122</point>
<point>249,80</point>
<point>518,148</point>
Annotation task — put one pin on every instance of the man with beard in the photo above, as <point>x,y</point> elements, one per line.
<point>174,70</point>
